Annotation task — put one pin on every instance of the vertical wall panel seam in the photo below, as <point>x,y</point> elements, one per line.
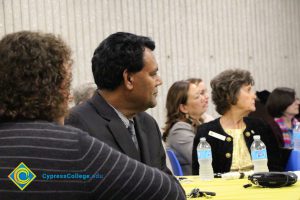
<point>4,18</point>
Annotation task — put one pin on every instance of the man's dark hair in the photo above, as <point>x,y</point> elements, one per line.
<point>34,78</point>
<point>279,100</point>
<point>116,53</point>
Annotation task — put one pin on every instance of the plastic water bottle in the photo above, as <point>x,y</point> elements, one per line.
<point>296,137</point>
<point>205,159</point>
<point>259,155</point>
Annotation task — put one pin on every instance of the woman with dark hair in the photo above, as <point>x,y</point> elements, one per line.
<point>231,135</point>
<point>283,105</point>
<point>186,104</point>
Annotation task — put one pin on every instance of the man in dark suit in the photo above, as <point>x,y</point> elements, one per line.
<point>65,162</point>
<point>125,71</point>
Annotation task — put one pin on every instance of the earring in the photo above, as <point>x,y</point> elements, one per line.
<point>187,116</point>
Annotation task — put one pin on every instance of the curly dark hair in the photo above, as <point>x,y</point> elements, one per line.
<point>116,53</point>
<point>34,76</point>
<point>226,86</point>
<point>178,94</point>
<point>279,99</point>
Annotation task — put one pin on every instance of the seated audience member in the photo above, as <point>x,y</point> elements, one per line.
<point>231,135</point>
<point>262,113</point>
<point>35,74</point>
<point>83,92</point>
<point>298,115</point>
<point>205,116</point>
<point>283,105</point>
<point>263,96</point>
<point>126,73</point>
<point>186,103</point>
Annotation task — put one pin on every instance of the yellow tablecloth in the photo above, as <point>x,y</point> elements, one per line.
<point>233,189</point>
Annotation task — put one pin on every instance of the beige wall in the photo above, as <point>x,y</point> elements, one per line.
<point>194,38</point>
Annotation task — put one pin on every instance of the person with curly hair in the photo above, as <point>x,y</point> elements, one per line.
<point>67,163</point>
<point>187,102</point>
<point>125,71</point>
<point>231,135</point>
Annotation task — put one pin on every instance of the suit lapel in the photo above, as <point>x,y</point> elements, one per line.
<point>123,139</point>
<point>142,139</point>
<point>115,126</point>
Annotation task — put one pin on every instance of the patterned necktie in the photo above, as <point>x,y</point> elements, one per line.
<point>132,134</point>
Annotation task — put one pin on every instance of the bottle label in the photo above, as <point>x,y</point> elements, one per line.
<point>296,135</point>
<point>259,154</point>
<point>204,154</point>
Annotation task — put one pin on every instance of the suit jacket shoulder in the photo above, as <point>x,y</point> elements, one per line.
<point>100,120</point>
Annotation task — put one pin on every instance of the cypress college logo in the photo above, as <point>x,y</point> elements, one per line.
<point>22,176</point>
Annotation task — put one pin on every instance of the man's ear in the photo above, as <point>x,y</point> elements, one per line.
<point>128,79</point>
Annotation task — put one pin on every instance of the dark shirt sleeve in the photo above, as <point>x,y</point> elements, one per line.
<point>273,150</point>
<point>122,177</point>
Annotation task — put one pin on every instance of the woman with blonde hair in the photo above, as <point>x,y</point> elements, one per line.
<point>187,101</point>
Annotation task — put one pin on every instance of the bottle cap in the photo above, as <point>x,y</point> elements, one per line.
<point>256,137</point>
<point>203,139</point>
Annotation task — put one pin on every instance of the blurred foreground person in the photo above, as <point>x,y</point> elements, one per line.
<point>65,162</point>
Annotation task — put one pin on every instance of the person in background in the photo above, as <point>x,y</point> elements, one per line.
<point>262,113</point>
<point>187,101</point>
<point>283,105</point>
<point>126,74</point>
<point>298,115</point>
<point>84,92</point>
<point>262,96</point>
<point>205,117</point>
<point>231,135</point>
<point>35,76</point>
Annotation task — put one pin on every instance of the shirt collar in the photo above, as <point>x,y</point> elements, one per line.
<point>124,119</point>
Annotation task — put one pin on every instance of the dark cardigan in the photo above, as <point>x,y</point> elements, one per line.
<point>222,150</point>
